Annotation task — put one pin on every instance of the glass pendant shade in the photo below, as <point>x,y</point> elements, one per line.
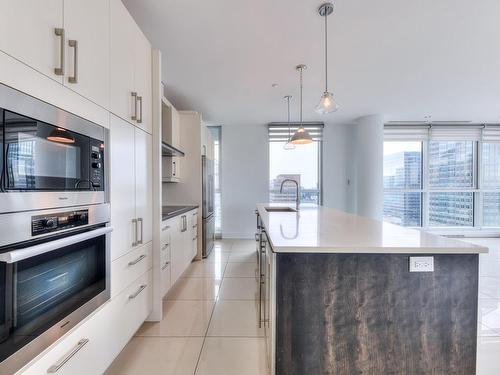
<point>327,104</point>
<point>61,136</point>
<point>301,137</point>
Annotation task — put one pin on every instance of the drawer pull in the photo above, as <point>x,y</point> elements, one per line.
<point>167,227</point>
<point>60,70</point>
<point>74,78</point>
<point>195,226</point>
<point>56,366</point>
<point>165,246</point>
<point>134,98</point>
<point>132,262</point>
<point>195,238</point>
<point>141,288</point>
<point>165,265</point>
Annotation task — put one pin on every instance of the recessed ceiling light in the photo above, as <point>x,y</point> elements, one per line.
<point>274,85</point>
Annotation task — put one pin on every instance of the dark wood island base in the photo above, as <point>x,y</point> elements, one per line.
<point>347,314</point>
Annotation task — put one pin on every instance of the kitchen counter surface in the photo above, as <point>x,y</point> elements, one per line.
<point>169,212</point>
<point>325,230</point>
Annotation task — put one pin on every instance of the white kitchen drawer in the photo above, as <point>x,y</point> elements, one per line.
<point>129,267</point>
<point>166,231</point>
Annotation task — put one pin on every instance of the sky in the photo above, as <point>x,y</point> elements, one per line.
<point>302,160</point>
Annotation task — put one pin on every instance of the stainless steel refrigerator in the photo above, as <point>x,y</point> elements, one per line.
<point>208,214</point>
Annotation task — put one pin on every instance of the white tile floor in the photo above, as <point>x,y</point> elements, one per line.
<point>210,319</point>
<point>210,323</point>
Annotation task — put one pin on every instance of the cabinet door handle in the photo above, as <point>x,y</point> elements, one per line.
<point>140,220</point>
<point>60,33</point>
<point>195,238</point>
<point>135,261</point>
<point>74,78</point>
<point>165,228</point>
<point>165,265</point>
<point>141,288</point>
<point>195,226</point>
<point>56,366</point>
<point>139,99</point>
<point>134,97</point>
<point>165,246</point>
<point>184,226</point>
<point>174,168</point>
<point>135,243</point>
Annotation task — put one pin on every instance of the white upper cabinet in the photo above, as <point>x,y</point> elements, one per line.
<point>87,48</point>
<point>143,80</point>
<point>122,51</point>
<point>130,74</point>
<point>28,33</point>
<point>143,186</point>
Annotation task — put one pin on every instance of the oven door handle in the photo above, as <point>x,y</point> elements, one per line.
<point>29,252</point>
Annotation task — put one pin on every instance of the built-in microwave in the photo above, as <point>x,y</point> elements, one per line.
<point>49,157</point>
<point>54,271</point>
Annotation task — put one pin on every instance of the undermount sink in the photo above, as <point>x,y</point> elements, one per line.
<point>280,209</point>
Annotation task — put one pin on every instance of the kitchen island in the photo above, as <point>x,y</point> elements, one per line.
<point>341,294</point>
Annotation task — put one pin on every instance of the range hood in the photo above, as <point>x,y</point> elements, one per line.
<point>169,150</point>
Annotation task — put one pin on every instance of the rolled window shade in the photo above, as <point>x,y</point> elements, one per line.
<point>406,132</point>
<point>455,133</point>
<point>491,133</point>
<point>278,132</point>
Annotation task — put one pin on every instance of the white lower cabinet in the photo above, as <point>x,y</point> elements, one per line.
<point>92,346</point>
<point>179,246</point>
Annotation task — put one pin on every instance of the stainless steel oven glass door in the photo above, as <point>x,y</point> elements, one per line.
<point>40,292</point>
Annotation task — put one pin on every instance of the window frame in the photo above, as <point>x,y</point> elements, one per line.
<point>478,228</point>
<point>318,129</point>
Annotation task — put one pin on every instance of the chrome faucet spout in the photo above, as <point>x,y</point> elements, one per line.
<point>297,197</point>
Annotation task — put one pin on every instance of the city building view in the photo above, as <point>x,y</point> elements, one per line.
<point>450,167</point>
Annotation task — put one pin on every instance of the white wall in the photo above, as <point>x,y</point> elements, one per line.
<point>366,166</point>
<point>335,150</point>
<point>245,175</point>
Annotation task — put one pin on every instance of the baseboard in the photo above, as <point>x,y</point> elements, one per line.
<point>239,236</point>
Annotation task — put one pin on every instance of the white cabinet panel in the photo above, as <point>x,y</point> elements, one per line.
<point>122,186</point>
<point>122,60</point>
<point>143,184</point>
<point>92,75</point>
<point>142,75</point>
<point>27,32</point>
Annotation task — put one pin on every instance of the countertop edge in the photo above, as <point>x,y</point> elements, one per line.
<point>475,249</point>
<point>179,212</point>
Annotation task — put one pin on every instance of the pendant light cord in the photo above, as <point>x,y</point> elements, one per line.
<point>301,95</point>
<point>289,131</point>
<point>326,51</point>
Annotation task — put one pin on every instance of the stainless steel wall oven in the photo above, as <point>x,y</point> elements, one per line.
<point>54,225</point>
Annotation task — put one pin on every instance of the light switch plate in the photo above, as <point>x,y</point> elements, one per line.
<point>421,264</point>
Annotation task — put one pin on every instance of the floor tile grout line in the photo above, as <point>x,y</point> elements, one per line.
<point>208,326</point>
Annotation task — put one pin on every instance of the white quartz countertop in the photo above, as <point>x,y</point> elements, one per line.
<point>325,230</point>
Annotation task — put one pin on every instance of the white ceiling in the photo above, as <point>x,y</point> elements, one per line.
<point>402,58</point>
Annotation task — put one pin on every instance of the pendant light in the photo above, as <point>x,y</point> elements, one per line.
<point>60,135</point>
<point>301,136</point>
<point>288,145</point>
<point>327,103</point>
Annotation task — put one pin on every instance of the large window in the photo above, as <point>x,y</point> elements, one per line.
<point>442,178</point>
<point>302,164</point>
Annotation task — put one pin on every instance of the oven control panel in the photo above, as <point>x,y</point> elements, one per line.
<point>42,224</point>
<point>96,165</point>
